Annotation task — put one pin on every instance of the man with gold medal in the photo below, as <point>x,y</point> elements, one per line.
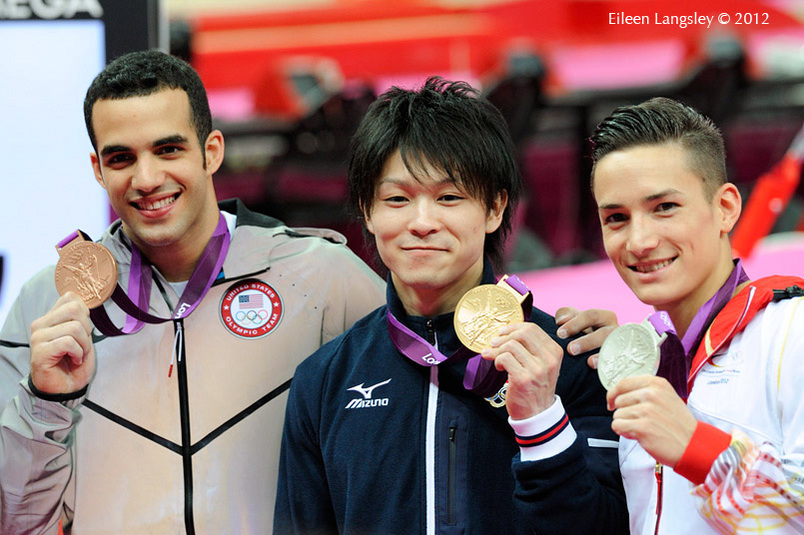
<point>397,427</point>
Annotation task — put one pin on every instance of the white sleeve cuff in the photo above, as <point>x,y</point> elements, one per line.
<point>545,434</point>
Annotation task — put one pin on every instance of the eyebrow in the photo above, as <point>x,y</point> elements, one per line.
<point>169,140</point>
<point>111,149</point>
<point>402,181</point>
<point>649,198</point>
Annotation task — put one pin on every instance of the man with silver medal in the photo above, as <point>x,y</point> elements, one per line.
<point>711,431</point>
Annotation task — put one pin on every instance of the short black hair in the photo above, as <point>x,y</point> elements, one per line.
<point>139,74</point>
<point>447,125</point>
<point>663,120</point>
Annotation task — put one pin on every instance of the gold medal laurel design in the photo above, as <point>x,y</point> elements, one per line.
<point>88,269</point>
<point>482,311</point>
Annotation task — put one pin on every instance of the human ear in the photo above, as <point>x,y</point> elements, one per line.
<point>96,169</point>
<point>729,205</point>
<point>496,211</point>
<point>213,151</point>
<point>367,221</point>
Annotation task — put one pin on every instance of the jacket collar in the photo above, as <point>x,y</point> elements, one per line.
<point>442,325</point>
<point>248,258</point>
<point>246,216</point>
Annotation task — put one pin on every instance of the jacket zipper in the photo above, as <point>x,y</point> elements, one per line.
<point>452,467</point>
<point>429,328</point>
<point>658,472</point>
<point>186,439</point>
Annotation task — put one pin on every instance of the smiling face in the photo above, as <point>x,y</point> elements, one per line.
<point>666,239</point>
<point>158,179</point>
<point>430,234</point>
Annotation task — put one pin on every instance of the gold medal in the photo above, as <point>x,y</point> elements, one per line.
<point>88,269</point>
<point>483,310</point>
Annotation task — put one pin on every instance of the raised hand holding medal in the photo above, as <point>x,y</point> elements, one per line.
<point>521,349</point>
<point>62,355</point>
<point>490,319</point>
<point>135,302</point>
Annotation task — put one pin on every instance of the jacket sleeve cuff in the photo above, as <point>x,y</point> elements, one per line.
<point>707,443</point>
<point>60,398</point>
<point>544,435</point>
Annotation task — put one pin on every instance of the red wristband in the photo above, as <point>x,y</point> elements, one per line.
<point>706,444</point>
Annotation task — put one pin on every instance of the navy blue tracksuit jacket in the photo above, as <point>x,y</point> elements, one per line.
<point>377,444</point>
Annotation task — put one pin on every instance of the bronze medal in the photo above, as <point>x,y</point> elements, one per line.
<point>88,269</point>
<point>483,310</point>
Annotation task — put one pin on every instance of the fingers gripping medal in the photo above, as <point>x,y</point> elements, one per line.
<point>483,310</point>
<point>479,315</point>
<point>631,349</point>
<point>86,268</point>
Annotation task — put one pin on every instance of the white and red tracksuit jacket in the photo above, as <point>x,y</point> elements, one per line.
<point>745,465</point>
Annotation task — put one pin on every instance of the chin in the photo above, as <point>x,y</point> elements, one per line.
<point>418,280</point>
<point>654,298</point>
<point>157,239</point>
<point>422,283</point>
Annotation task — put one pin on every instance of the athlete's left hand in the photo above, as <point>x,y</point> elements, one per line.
<point>532,360</point>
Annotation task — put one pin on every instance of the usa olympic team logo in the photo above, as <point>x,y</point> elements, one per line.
<point>251,309</point>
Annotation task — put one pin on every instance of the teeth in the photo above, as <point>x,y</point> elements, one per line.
<point>156,205</point>
<point>653,267</point>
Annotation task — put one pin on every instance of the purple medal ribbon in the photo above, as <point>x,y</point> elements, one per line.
<point>480,377</point>
<point>414,346</point>
<point>677,353</point>
<point>136,303</point>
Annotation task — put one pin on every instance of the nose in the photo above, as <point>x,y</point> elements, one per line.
<point>148,175</point>
<point>424,219</point>
<point>642,237</point>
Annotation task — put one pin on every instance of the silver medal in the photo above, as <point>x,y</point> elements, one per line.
<point>631,349</point>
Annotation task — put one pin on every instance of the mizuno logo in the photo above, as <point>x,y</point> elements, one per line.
<point>366,392</point>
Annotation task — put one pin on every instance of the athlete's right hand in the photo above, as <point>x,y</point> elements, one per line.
<point>62,354</point>
<point>594,325</point>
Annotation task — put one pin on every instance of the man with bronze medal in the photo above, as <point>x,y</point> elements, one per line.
<point>714,441</point>
<point>137,402</point>
<point>397,427</point>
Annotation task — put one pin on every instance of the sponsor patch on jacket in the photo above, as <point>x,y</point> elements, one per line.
<point>251,308</point>
<point>367,401</point>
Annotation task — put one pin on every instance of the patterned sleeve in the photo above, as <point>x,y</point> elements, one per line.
<point>756,485</point>
<point>750,484</point>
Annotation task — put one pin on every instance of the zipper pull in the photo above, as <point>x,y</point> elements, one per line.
<point>658,473</point>
<point>178,346</point>
<point>430,330</point>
